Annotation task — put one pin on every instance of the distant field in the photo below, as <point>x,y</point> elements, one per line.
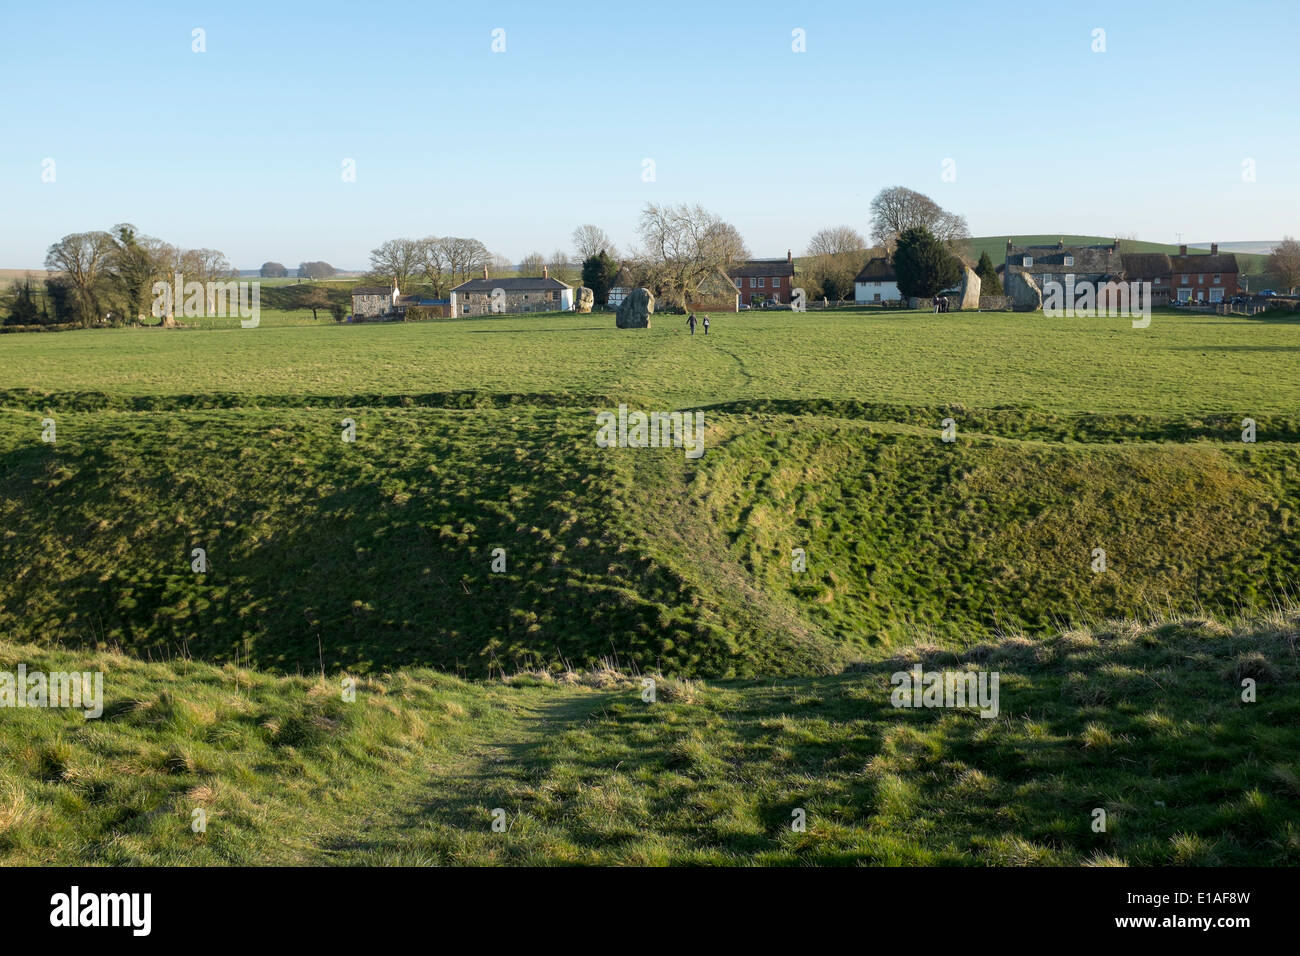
<point>1181,365</point>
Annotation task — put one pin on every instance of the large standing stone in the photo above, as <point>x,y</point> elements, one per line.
<point>634,311</point>
<point>585,299</point>
<point>1023,291</point>
<point>968,296</point>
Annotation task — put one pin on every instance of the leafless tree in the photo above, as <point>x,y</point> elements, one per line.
<point>83,258</point>
<point>898,208</point>
<point>531,264</point>
<point>589,240</point>
<point>683,244</point>
<point>835,256</point>
<point>397,260</point>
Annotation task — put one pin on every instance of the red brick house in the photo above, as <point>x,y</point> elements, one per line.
<point>1202,278</point>
<point>758,280</point>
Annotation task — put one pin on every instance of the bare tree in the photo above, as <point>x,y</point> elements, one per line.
<point>589,240</point>
<point>531,264</point>
<point>83,258</point>
<point>684,244</point>
<point>398,260</point>
<point>1284,262</point>
<point>836,240</point>
<point>898,208</point>
<point>835,256</point>
<point>463,258</point>
<point>562,267</point>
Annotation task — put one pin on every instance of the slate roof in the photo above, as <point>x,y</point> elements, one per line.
<point>513,284</point>
<point>761,267</point>
<point>1203,264</point>
<point>373,290</point>
<point>1095,260</point>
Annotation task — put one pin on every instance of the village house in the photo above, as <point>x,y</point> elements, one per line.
<point>1203,278</point>
<point>384,302</point>
<point>624,283</point>
<point>761,280</point>
<point>1153,267</point>
<point>517,294</point>
<point>876,283</point>
<point>1067,265</point>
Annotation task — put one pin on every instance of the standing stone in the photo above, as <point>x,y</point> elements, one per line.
<point>968,296</point>
<point>585,299</point>
<point>634,311</point>
<point>1024,292</point>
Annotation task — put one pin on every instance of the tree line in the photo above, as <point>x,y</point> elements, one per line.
<point>106,277</point>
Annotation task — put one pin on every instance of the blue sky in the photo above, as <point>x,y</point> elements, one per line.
<point>241,147</point>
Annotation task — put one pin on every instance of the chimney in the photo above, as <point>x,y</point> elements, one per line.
<point>1182,250</point>
<point>546,273</point>
<point>789,257</point>
<point>1214,248</point>
<point>485,275</point>
<point>1060,243</point>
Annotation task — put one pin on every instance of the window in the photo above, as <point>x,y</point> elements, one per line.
<point>740,283</point>
<point>760,282</point>
<point>1200,280</point>
<point>1185,278</point>
<point>776,282</point>
<point>1157,282</point>
<point>1027,261</point>
<point>1069,260</point>
<point>753,283</point>
<point>1218,280</point>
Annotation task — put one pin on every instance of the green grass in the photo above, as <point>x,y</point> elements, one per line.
<point>1143,721</point>
<point>374,558</point>
<point>1181,365</point>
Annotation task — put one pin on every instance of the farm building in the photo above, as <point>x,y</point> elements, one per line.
<point>876,283</point>
<point>487,296</point>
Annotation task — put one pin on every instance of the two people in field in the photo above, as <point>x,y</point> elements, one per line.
<point>691,322</point>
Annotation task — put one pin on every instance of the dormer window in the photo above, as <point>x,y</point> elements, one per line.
<point>1069,260</point>
<point>1027,261</point>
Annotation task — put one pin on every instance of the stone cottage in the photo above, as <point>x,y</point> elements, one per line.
<point>515,294</point>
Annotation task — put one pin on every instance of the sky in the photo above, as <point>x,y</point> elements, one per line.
<point>1183,128</point>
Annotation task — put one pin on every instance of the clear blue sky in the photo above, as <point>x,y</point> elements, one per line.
<point>241,147</point>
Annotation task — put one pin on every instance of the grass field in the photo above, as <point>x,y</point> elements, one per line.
<point>374,558</point>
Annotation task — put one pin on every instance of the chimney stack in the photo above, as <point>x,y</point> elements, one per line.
<point>546,273</point>
<point>1060,243</point>
<point>1182,250</point>
<point>789,257</point>
<point>1214,248</point>
<point>485,275</point>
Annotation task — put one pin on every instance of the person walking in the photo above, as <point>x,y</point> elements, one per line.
<point>691,323</point>
<point>706,325</point>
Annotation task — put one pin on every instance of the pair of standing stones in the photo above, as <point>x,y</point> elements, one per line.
<point>633,312</point>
